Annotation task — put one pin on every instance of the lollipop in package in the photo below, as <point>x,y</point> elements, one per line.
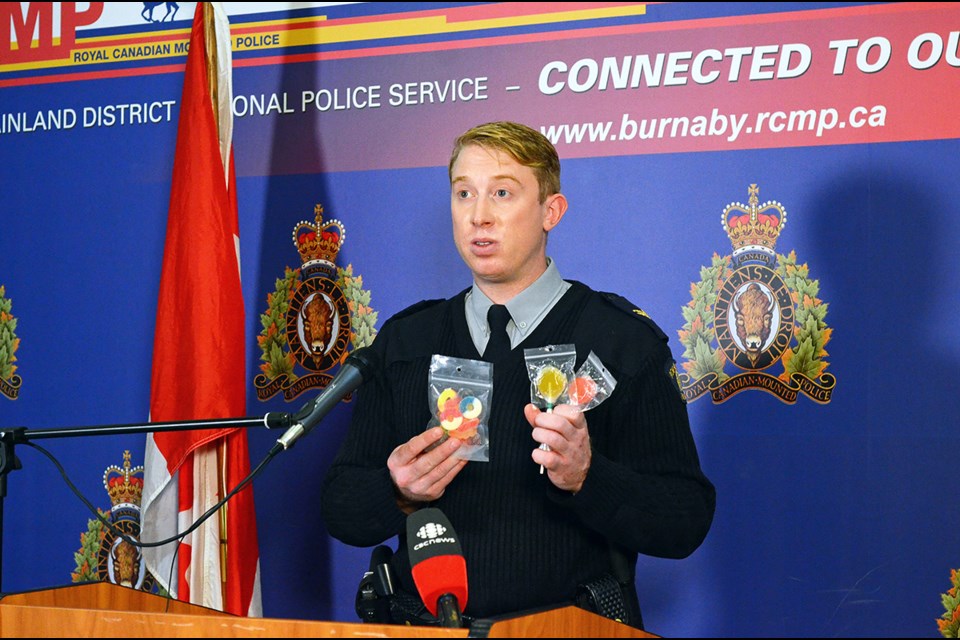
<point>550,370</point>
<point>459,396</point>
<point>591,385</point>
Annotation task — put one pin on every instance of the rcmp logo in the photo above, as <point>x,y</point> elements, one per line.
<point>105,556</point>
<point>752,310</point>
<point>9,381</point>
<point>316,312</point>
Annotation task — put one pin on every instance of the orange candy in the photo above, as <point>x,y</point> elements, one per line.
<point>582,390</point>
<point>467,429</point>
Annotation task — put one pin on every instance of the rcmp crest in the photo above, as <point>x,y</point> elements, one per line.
<point>316,313</point>
<point>755,311</point>
<point>9,381</point>
<point>104,555</point>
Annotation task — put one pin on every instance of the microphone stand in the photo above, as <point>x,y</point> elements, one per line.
<point>448,611</point>
<point>9,438</point>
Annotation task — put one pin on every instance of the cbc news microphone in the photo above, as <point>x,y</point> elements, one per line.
<point>438,566</point>
<point>360,365</point>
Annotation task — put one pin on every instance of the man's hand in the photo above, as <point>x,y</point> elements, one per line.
<point>565,431</point>
<point>421,473</point>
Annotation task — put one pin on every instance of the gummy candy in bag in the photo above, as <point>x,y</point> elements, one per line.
<point>459,392</point>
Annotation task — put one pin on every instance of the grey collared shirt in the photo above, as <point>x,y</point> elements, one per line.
<point>527,309</point>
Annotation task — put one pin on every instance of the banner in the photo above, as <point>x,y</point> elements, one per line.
<point>773,183</point>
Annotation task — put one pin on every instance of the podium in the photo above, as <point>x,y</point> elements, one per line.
<point>105,610</point>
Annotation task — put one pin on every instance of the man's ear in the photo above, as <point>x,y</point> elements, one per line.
<point>554,208</point>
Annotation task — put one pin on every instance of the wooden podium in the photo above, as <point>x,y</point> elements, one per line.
<point>104,610</point>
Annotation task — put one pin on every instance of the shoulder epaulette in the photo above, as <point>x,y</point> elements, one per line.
<point>633,311</point>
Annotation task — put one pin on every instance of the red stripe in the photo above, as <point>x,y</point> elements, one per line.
<point>184,553</point>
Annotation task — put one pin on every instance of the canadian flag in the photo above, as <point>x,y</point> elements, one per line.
<point>198,352</point>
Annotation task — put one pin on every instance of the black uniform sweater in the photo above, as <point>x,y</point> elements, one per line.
<point>528,544</point>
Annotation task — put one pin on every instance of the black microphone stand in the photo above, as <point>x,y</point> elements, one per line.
<point>448,611</point>
<point>20,435</point>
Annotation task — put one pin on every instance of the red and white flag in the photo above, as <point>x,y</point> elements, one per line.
<point>199,352</point>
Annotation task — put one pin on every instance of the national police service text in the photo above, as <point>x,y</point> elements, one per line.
<point>374,96</point>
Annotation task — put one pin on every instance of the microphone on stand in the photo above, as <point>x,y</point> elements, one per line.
<point>376,588</point>
<point>438,566</point>
<point>360,365</point>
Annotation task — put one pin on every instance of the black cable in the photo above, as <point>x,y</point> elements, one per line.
<point>177,537</point>
<point>173,564</point>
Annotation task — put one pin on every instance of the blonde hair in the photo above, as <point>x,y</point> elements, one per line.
<point>527,146</point>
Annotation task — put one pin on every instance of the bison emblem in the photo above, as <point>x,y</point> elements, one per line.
<point>317,318</point>
<point>753,313</point>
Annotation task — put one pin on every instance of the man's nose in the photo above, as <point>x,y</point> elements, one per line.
<point>482,213</point>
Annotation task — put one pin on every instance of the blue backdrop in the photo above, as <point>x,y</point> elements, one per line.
<point>833,518</point>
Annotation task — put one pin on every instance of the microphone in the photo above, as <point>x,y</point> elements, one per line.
<point>380,570</point>
<point>376,588</point>
<point>438,566</point>
<point>359,366</point>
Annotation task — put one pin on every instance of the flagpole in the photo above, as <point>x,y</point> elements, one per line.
<point>222,488</point>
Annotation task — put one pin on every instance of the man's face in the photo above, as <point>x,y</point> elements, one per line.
<point>499,226</point>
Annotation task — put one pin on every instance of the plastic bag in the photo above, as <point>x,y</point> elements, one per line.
<point>460,392</point>
<point>591,385</point>
<point>550,370</point>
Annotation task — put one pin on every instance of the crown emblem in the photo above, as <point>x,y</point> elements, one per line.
<point>123,486</point>
<point>754,228</point>
<point>319,243</point>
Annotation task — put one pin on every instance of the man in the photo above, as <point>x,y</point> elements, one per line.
<point>621,479</point>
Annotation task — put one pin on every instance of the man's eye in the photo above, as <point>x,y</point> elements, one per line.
<point>502,193</point>
<point>463,193</point>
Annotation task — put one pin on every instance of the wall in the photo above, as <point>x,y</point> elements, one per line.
<point>835,513</point>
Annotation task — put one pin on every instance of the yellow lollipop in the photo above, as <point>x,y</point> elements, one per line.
<point>550,384</point>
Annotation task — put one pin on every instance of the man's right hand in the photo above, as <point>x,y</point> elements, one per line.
<point>421,473</point>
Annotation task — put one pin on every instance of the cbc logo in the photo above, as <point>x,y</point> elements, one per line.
<point>431,530</point>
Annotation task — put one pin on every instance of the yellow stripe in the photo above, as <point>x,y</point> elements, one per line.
<point>264,38</point>
<point>439,25</point>
<point>107,52</point>
<point>332,34</point>
<point>174,34</point>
